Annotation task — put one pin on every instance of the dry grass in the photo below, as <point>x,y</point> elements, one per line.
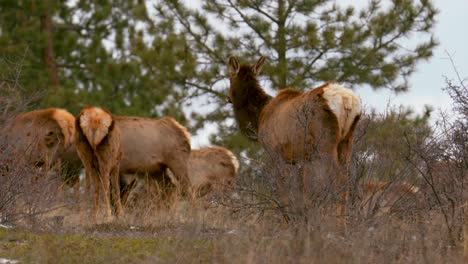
<point>383,225</point>
<point>245,229</point>
<point>187,234</point>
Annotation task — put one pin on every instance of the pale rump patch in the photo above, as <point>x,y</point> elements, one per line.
<point>234,160</point>
<point>95,124</point>
<point>66,121</point>
<point>344,103</point>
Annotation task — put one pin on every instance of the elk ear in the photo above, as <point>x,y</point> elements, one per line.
<point>258,65</point>
<point>234,65</point>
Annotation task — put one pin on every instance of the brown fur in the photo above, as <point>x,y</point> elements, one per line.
<point>98,146</point>
<point>383,197</point>
<point>296,126</point>
<point>210,170</point>
<point>149,147</point>
<point>45,138</point>
<point>152,145</point>
<point>279,122</point>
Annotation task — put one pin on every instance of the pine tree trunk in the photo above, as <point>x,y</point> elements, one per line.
<point>49,57</point>
<point>281,46</point>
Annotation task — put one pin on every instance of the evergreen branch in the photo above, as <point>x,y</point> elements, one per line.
<point>257,8</point>
<point>205,89</point>
<point>247,21</point>
<point>186,24</point>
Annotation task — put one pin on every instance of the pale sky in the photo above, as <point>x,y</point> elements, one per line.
<point>426,83</point>
<point>451,32</point>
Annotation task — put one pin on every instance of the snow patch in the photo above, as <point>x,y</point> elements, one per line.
<point>7,261</point>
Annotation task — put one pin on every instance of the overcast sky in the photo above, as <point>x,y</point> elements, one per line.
<point>452,33</point>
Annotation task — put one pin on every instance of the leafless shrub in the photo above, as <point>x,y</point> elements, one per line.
<point>26,191</point>
<point>381,167</point>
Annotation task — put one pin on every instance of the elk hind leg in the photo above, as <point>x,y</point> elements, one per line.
<point>93,189</point>
<point>105,191</point>
<point>115,194</point>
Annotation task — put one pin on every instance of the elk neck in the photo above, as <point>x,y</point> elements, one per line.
<point>248,99</point>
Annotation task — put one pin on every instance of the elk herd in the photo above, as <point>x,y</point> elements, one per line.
<point>314,128</point>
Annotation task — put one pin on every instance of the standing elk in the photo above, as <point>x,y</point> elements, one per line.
<point>45,138</point>
<point>295,125</point>
<point>99,148</point>
<point>148,147</point>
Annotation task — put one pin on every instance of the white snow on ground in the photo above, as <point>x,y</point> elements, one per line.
<point>7,261</point>
<point>4,226</point>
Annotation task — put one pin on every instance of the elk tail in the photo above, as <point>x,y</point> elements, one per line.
<point>95,123</point>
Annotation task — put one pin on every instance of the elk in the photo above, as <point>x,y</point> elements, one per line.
<point>294,125</point>
<point>99,148</point>
<point>45,138</point>
<point>384,197</point>
<point>148,147</point>
<point>151,145</point>
<point>210,171</point>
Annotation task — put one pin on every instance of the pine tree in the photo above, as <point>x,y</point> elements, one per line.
<point>108,53</point>
<point>307,43</point>
<point>120,55</point>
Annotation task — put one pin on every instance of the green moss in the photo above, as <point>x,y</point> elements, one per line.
<point>29,247</point>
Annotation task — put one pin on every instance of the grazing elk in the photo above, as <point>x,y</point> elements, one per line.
<point>99,148</point>
<point>297,126</point>
<point>45,138</point>
<point>149,146</point>
<point>210,170</point>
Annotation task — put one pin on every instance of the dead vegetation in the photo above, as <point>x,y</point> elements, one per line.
<point>407,205</point>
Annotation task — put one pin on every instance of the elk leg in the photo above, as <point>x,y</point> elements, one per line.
<point>87,197</point>
<point>345,148</point>
<point>126,190</point>
<point>179,168</point>
<point>105,191</point>
<point>95,187</point>
<point>334,175</point>
<point>76,194</point>
<point>344,154</point>
<point>284,173</point>
<point>115,191</point>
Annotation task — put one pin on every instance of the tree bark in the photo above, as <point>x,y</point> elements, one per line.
<point>49,57</point>
<point>281,46</point>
